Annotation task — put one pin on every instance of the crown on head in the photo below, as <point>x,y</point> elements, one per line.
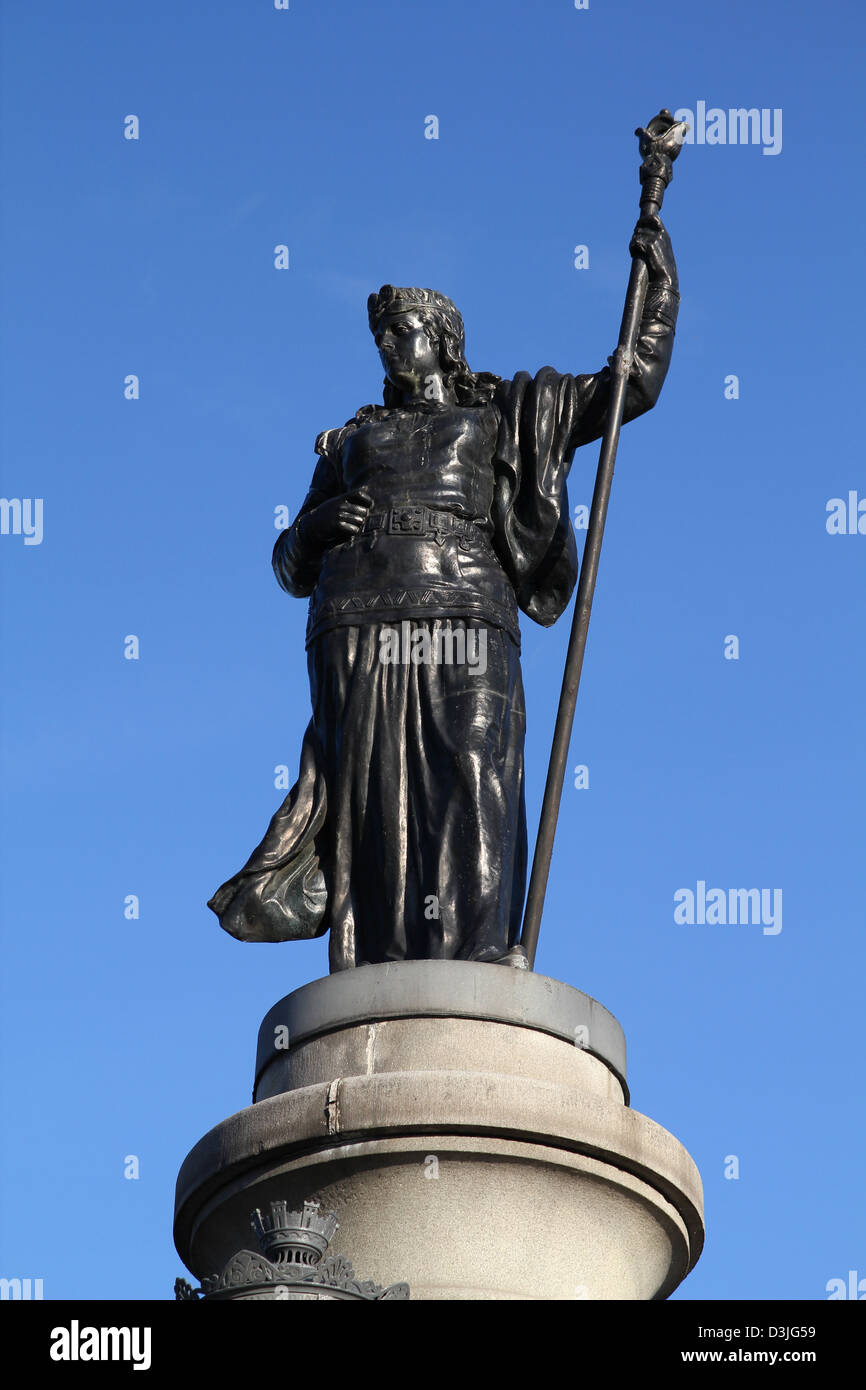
<point>394,299</point>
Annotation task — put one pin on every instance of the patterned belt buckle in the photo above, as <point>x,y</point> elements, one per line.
<point>406,521</point>
<point>440,524</point>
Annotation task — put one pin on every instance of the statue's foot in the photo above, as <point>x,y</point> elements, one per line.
<point>516,957</point>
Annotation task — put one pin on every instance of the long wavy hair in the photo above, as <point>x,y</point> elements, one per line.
<point>444,325</point>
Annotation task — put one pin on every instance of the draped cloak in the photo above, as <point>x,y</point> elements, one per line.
<point>282,892</point>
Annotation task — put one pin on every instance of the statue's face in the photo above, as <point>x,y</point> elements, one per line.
<point>406,353</point>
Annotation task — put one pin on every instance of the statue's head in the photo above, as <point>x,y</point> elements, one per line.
<point>419,333</point>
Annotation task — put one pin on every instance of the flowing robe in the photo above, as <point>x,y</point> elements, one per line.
<point>405,834</point>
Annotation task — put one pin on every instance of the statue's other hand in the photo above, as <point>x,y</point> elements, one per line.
<point>651,243</point>
<point>336,520</point>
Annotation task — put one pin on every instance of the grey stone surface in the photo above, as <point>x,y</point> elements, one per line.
<point>420,1045</point>
<point>537,1191</point>
<point>470,1156</point>
<point>440,989</point>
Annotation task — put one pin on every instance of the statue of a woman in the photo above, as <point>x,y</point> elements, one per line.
<point>430,521</point>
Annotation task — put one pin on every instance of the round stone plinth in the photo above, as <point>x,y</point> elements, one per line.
<point>360,1009</point>
<point>467,1125</point>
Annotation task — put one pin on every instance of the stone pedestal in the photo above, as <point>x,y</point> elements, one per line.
<point>469,1127</point>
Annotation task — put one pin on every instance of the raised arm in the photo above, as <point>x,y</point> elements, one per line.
<point>655,342</point>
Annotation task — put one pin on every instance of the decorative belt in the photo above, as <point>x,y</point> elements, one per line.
<point>426,522</point>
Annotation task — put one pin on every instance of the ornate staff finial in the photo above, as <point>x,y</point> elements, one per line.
<point>659,144</point>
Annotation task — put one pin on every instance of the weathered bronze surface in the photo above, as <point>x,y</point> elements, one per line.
<point>430,521</point>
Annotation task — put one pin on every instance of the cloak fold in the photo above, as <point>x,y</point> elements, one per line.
<point>533,535</point>
<point>280,893</point>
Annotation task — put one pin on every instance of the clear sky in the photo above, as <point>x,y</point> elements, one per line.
<point>154,777</point>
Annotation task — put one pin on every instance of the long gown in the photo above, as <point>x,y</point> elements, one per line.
<point>405,835</point>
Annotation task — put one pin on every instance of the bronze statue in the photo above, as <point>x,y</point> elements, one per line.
<point>430,521</point>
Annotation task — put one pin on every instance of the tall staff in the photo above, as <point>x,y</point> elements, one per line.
<point>659,146</point>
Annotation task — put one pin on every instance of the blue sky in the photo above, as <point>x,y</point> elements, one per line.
<point>155,777</point>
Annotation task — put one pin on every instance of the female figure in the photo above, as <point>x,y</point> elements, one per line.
<point>429,522</point>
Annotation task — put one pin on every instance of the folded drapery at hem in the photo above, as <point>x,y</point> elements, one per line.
<point>405,833</point>
<point>280,893</point>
